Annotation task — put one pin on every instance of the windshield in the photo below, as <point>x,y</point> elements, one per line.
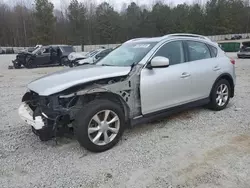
<point>92,53</point>
<point>67,49</point>
<point>127,54</point>
<point>38,48</point>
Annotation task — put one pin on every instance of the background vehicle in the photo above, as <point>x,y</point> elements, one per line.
<point>9,51</point>
<point>44,56</point>
<point>236,37</point>
<point>142,80</point>
<point>89,58</point>
<point>2,51</point>
<point>244,50</point>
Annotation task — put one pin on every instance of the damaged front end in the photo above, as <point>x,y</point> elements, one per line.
<point>51,107</point>
<point>19,61</point>
<point>48,116</point>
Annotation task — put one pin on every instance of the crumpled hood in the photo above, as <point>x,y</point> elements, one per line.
<point>24,53</point>
<point>76,55</point>
<point>69,77</point>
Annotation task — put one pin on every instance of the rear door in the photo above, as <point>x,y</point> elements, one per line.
<point>162,88</point>
<point>204,66</point>
<point>44,57</point>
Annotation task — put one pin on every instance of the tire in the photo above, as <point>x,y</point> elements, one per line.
<point>220,104</point>
<point>17,65</point>
<point>84,119</point>
<point>64,61</point>
<point>30,65</point>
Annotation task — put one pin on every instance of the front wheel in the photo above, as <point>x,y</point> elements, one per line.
<point>64,61</point>
<point>30,64</point>
<point>16,64</point>
<point>99,125</point>
<point>220,95</point>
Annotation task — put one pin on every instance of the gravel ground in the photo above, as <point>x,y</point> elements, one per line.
<point>196,148</point>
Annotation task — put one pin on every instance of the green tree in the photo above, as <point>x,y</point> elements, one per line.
<point>45,21</point>
<point>77,21</point>
<point>107,24</point>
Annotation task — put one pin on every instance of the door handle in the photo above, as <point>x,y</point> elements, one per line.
<point>216,68</point>
<point>185,75</point>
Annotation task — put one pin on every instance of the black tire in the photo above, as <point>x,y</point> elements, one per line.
<point>213,104</point>
<point>30,65</point>
<point>17,65</point>
<point>64,61</point>
<point>84,117</point>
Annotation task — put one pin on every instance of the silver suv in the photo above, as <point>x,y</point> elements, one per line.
<point>142,80</point>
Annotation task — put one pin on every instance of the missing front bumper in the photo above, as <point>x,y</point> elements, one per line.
<point>26,114</point>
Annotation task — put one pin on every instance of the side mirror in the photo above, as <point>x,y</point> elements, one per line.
<point>158,62</point>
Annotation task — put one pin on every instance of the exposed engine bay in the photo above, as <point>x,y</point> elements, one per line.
<point>53,115</point>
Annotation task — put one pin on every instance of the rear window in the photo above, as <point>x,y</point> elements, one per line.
<point>214,51</point>
<point>68,49</point>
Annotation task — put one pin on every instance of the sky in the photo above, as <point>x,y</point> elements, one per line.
<point>118,3</point>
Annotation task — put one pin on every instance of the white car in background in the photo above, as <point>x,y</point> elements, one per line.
<point>91,57</point>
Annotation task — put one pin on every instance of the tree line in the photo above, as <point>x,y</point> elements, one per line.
<point>88,23</point>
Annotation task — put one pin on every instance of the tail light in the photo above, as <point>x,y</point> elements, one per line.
<point>232,61</point>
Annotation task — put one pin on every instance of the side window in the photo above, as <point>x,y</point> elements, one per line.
<point>173,51</point>
<point>46,50</point>
<point>213,50</point>
<point>197,51</point>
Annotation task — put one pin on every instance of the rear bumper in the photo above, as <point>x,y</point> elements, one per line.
<point>26,114</point>
<point>242,55</point>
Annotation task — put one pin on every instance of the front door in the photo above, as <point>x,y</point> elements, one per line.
<point>167,87</point>
<point>44,57</point>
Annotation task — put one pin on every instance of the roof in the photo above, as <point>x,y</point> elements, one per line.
<point>57,45</point>
<point>176,35</point>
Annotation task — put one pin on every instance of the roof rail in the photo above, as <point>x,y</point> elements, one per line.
<point>135,39</point>
<point>187,35</point>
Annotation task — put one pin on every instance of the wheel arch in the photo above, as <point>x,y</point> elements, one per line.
<point>227,77</point>
<point>108,96</point>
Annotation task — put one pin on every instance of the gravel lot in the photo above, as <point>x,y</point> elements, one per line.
<point>197,148</point>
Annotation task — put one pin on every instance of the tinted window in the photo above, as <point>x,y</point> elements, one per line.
<point>68,49</point>
<point>173,51</point>
<point>197,51</point>
<point>46,50</point>
<point>213,50</point>
<point>103,53</point>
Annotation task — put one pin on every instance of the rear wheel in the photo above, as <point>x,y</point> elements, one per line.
<point>220,95</point>
<point>99,125</point>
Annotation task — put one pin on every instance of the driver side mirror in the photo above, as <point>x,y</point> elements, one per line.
<point>39,53</point>
<point>158,62</point>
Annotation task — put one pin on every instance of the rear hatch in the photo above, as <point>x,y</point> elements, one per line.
<point>245,47</point>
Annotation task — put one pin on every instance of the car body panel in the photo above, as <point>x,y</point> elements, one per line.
<point>203,74</point>
<point>59,81</point>
<point>162,88</point>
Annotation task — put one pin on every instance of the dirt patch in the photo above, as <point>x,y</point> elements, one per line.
<point>181,116</point>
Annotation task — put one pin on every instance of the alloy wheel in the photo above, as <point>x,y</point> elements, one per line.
<point>222,95</point>
<point>103,127</point>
